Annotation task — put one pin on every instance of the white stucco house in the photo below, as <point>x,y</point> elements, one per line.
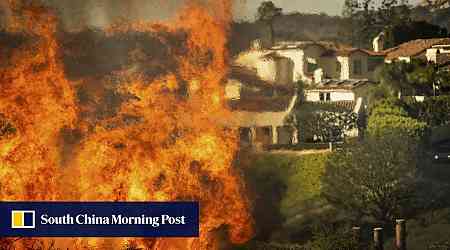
<point>262,85</point>
<point>348,95</point>
<point>329,90</point>
<point>290,62</point>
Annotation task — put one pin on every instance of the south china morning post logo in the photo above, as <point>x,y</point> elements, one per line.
<point>99,219</point>
<point>23,219</point>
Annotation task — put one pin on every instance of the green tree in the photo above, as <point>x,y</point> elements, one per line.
<point>370,17</point>
<point>329,238</point>
<point>331,126</point>
<point>393,75</point>
<point>350,12</point>
<point>373,179</point>
<point>267,12</point>
<point>393,12</point>
<point>415,78</point>
<point>404,32</point>
<point>433,111</point>
<point>388,117</point>
<point>327,122</point>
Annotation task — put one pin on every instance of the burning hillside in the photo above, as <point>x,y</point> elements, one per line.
<point>139,124</point>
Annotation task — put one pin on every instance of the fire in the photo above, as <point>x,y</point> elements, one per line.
<point>174,147</point>
<point>37,102</point>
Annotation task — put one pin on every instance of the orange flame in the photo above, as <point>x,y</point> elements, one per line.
<point>175,149</point>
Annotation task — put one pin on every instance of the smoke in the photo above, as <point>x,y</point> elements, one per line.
<point>102,13</point>
<point>82,14</point>
<point>77,15</point>
<point>5,13</point>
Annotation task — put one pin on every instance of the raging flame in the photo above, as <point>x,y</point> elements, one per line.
<point>174,148</point>
<point>37,102</point>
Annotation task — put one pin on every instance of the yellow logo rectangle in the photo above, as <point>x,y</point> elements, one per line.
<point>22,219</point>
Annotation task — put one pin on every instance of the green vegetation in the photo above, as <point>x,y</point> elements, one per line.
<point>369,17</point>
<point>313,200</point>
<point>412,30</point>
<point>434,111</point>
<point>325,121</point>
<point>287,193</point>
<point>326,238</point>
<point>303,181</point>
<point>396,18</point>
<point>357,26</point>
<point>427,230</point>
<point>388,117</point>
<point>267,12</point>
<point>415,78</point>
<point>373,179</point>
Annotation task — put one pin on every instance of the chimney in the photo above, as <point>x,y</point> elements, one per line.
<point>378,42</point>
<point>318,75</point>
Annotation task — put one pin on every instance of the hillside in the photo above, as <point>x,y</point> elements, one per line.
<point>303,26</point>
<point>294,26</point>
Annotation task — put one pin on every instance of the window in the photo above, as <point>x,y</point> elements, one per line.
<point>338,67</point>
<point>325,97</point>
<point>357,67</point>
<point>311,67</point>
<point>245,135</point>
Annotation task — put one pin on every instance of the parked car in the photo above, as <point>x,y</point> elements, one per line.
<point>441,151</point>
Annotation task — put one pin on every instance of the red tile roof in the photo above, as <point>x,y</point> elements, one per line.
<point>413,48</point>
<point>349,51</point>
<point>305,44</point>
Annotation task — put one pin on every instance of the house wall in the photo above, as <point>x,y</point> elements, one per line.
<point>335,95</point>
<point>296,58</point>
<point>278,71</point>
<point>342,96</point>
<point>250,58</point>
<point>285,71</point>
<point>363,57</point>
<point>345,67</point>
<point>267,69</point>
<point>404,59</point>
<point>300,57</point>
<point>330,68</point>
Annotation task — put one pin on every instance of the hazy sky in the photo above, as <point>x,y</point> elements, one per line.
<point>247,8</point>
